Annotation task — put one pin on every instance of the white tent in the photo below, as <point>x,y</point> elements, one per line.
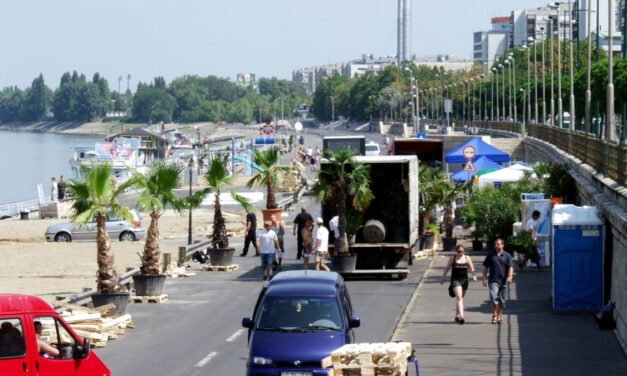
<point>505,175</point>
<point>521,167</point>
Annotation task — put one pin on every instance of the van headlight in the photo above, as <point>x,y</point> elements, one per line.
<point>261,360</point>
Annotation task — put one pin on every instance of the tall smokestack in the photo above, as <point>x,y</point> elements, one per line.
<point>399,39</point>
<point>407,30</point>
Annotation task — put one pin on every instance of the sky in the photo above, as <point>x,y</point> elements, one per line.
<point>270,38</point>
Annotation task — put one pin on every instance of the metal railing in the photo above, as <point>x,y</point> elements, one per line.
<point>13,209</point>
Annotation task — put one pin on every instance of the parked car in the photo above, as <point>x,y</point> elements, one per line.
<point>19,348</point>
<point>372,149</point>
<point>300,317</point>
<point>117,228</point>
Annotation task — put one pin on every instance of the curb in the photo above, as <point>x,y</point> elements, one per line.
<point>410,305</point>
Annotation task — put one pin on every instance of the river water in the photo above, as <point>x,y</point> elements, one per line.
<point>30,158</point>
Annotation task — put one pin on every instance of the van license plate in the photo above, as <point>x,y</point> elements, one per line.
<point>296,374</point>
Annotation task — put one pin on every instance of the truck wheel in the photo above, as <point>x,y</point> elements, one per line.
<point>402,276</point>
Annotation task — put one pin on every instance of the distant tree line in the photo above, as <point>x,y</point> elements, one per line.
<point>185,99</point>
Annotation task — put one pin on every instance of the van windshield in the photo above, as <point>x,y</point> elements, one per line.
<point>299,314</point>
<point>374,148</point>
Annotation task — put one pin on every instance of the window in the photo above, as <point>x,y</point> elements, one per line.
<point>300,314</point>
<point>12,343</point>
<point>54,333</point>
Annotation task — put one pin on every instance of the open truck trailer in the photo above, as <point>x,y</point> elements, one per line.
<point>394,184</point>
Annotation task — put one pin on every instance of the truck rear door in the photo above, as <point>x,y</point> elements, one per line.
<point>15,360</point>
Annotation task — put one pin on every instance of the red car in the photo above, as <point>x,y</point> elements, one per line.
<point>35,340</point>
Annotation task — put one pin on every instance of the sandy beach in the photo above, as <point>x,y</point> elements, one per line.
<point>30,265</point>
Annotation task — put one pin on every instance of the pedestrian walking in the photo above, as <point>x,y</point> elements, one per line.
<point>299,224</point>
<point>321,248</point>
<point>279,230</point>
<point>54,191</point>
<point>499,266</point>
<point>459,265</point>
<point>267,243</point>
<point>307,234</point>
<point>250,234</point>
<point>61,186</point>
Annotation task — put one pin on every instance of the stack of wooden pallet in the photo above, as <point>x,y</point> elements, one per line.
<point>95,324</point>
<point>369,359</point>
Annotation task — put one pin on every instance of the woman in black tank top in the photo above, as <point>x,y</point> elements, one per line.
<point>460,263</point>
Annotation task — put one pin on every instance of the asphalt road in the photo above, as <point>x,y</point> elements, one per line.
<point>198,330</point>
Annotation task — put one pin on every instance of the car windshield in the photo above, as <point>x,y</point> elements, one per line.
<point>298,314</point>
<point>372,148</point>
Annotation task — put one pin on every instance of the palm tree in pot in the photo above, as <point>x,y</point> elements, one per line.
<point>157,193</point>
<point>217,177</point>
<point>343,181</point>
<point>448,193</point>
<point>429,180</point>
<point>268,161</point>
<point>96,197</point>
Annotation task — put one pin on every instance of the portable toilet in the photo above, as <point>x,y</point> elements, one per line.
<point>577,258</point>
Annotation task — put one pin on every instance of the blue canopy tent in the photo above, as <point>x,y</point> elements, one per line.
<point>483,150</point>
<point>482,163</point>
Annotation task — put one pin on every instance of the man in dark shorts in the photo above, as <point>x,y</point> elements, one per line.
<point>501,270</point>
<point>299,224</point>
<point>251,234</point>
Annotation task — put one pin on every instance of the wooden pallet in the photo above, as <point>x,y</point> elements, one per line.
<point>149,299</point>
<point>228,268</point>
<point>371,359</point>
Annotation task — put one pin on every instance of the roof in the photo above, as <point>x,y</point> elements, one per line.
<point>16,303</point>
<point>482,148</point>
<point>418,140</point>
<point>137,132</point>
<point>304,283</point>
<point>575,215</point>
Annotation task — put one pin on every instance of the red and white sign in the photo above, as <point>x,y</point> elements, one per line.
<point>469,152</point>
<point>469,167</point>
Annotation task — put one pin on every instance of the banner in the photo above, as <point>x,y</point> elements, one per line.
<point>113,151</point>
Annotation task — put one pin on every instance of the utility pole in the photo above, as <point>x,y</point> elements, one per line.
<point>560,109</point>
<point>624,104</point>
<point>535,80</point>
<point>597,114</point>
<point>552,51</point>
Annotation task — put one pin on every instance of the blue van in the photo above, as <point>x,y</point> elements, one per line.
<point>300,317</point>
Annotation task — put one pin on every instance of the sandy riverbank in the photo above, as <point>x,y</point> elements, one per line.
<point>30,265</point>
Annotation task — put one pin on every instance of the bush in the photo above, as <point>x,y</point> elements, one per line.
<point>493,211</point>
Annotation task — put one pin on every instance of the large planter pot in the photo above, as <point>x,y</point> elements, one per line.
<point>477,245</point>
<point>148,285</point>
<point>120,300</point>
<point>343,263</point>
<point>221,256</point>
<point>421,242</point>
<point>266,213</point>
<point>449,244</point>
<point>429,240</point>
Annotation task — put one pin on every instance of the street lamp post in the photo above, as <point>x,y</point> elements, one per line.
<point>509,88</point>
<point>535,79</point>
<point>571,103</point>
<point>560,109</point>
<point>492,94</point>
<point>503,89</point>
<point>609,118</point>
<point>514,85</point>
<point>528,49</point>
<point>524,124</point>
<point>551,52</point>
<point>189,228</point>
<point>543,80</point>
<point>464,100</point>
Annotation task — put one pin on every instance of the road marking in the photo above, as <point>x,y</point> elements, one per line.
<point>235,335</point>
<point>206,359</point>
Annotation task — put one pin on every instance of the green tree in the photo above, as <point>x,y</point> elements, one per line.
<point>96,198</point>
<point>342,181</point>
<point>36,101</point>
<point>268,161</point>
<point>157,192</point>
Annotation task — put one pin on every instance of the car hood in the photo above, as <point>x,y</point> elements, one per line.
<point>65,226</point>
<point>290,347</point>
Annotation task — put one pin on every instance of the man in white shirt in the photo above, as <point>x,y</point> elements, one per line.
<point>267,243</point>
<point>533,225</point>
<point>322,245</point>
<point>333,226</point>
